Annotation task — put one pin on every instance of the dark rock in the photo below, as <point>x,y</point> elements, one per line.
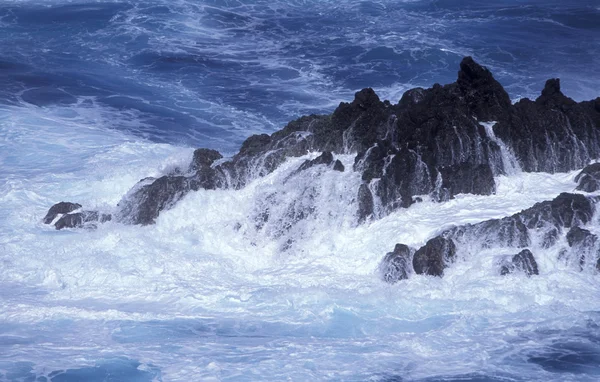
<point>78,220</point>
<point>363,120</point>
<point>577,237</point>
<point>552,134</point>
<point>523,262</point>
<point>434,257</point>
<point>486,98</point>
<point>204,158</point>
<point>365,202</point>
<point>396,265</point>
<point>143,204</point>
<point>550,238</point>
<point>467,178</point>
<point>60,208</point>
<point>584,244</point>
<point>566,210</point>
<point>338,166</point>
<point>588,179</point>
<point>546,218</point>
<point>431,143</point>
<point>326,158</point>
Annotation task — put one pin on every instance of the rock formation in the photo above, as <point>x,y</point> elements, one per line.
<point>588,179</point>
<point>542,224</point>
<point>436,142</point>
<point>521,262</point>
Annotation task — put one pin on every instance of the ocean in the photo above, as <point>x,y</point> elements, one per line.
<point>96,95</point>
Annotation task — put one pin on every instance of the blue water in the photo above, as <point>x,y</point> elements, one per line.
<point>95,95</point>
<point>209,73</point>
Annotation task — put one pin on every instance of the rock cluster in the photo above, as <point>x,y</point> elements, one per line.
<point>437,142</point>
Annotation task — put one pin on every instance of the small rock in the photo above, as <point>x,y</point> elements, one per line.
<point>396,265</point>
<point>522,261</point>
<point>60,208</point>
<point>434,257</point>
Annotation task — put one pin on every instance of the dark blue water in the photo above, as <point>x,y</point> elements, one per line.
<point>210,73</point>
<point>177,301</point>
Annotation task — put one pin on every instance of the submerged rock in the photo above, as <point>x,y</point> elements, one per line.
<point>584,245</point>
<point>521,262</point>
<point>79,219</point>
<point>434,257</point>
<point>396,265</point>
<point>588,179</point>
<point>60,208</point>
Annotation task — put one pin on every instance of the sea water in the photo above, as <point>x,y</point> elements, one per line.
<point>95,96</point>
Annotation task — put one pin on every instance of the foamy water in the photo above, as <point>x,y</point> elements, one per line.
<point>205,295</point>
<point>96,95</point>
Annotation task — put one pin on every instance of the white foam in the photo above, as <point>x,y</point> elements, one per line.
<point>322,299</point>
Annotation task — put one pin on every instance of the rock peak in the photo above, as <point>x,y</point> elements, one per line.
<point>366,98</point>
<point>486,98</point>
<point>471,71</point>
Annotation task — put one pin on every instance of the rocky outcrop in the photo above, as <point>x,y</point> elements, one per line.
<point>432,142</point>
<point>326,158</point>
<point>588,179</point>
<point>541,224</point>
<point>58,209</point>
<point>82,219</point>
<point>396,265</point>
<point>552,133</point>
<point>434,257</point>
<point>584,246</point>
<point>70,219</point>
<point>521,262</point>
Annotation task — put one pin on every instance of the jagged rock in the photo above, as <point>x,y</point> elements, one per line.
<point>60,208</point>
<point>204,158</point>
<point>579,237</point>
<point>564,211</point>
<point>434,257</point>
<point>506,232</point>
<point>396,265</point>
<point>338,166</point>
<point>549,238</point>
<point>365,202</point>
<point>143,204</point>
<point>584,245</point>
<point>588,179</point>
<point>523,262</point>
<point>552,133</point>
<point>467,178</point>
<point>547,218</point>
<point>80,219</point>
<point>326,158</point>
<point>486,98</point>
<point>431,143</point>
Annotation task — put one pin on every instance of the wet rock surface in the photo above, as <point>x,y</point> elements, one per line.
<point>434,257</point>
<point>521,262</point>
<point>58,209</point>
<point>588,179</point>
<point>432,142</point>
<point>81,219</point>
<point>546,220</point>
<point>396,265</point>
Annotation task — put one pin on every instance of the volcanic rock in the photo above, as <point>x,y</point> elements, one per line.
<point>434,257</point>
<point>60,208</point>
<point>588,179</point>
<point>522,262</point>
<point>396,265</point>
